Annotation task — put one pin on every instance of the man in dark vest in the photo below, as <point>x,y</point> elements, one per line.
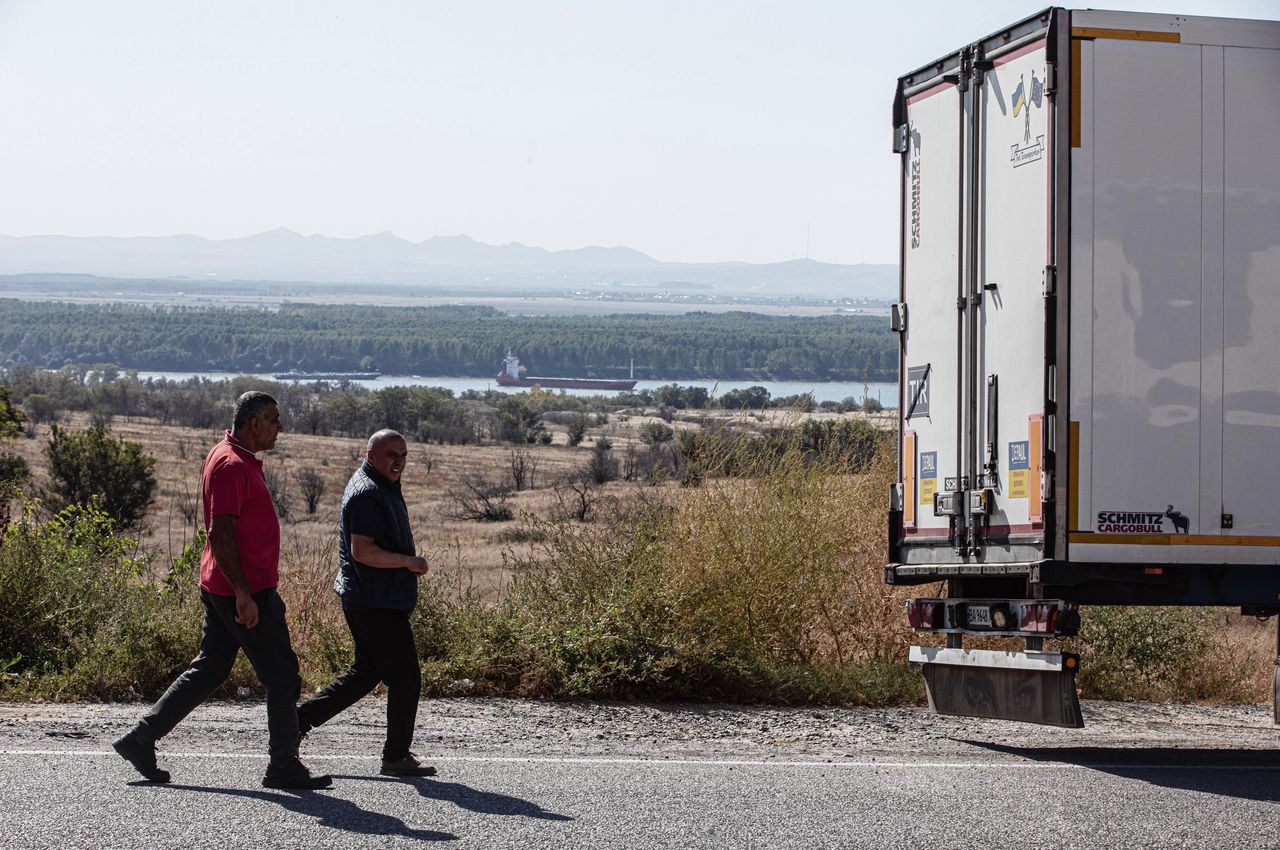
<point>378,581</point>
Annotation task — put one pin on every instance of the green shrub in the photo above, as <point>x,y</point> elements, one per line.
<point>59,579</point>
<point>97,465</point>
<point>1163,653</point>
<point>754,587</point>
<point>12,420</point>
<point>467,645</point>
<point>80,623</point>
<point>655,433</point>
<point>519,422</point>
<point>14,472</point>
<point>592,613</point>
<point>745,398</point>
<point>603,466</point>
<point>576,428</point>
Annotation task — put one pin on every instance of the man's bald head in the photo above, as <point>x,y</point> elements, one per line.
<point>379,437</point>
<point>388,453</point>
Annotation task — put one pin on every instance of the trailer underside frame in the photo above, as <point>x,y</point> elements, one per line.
<point>1255,586</point>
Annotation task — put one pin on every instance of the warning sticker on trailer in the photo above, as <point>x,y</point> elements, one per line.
<point>1020,470</point>
<point>928,477</point>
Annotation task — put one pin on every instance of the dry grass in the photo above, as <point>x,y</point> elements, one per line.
<point>432,470</point>
<point>790,554</point>
<point>762,584</point>
<point>479,549</point>
<point>1175,654</point>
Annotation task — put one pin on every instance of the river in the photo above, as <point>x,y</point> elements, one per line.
<point>885,393</point>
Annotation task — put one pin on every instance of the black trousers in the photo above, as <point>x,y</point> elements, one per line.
<point>268,649</point>
<point>385,653</point>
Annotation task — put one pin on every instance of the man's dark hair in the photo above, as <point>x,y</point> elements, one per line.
<point>250,406</point>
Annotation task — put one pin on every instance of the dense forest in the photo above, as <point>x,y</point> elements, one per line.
<point>447,341</point>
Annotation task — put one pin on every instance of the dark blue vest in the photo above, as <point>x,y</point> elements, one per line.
<point>361,586</point>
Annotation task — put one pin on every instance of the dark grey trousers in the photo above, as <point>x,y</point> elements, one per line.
<point>268,649</point>
<point>385,652</point>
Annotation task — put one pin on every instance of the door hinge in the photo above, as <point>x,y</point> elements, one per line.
<point>966,69</point>
<point>980,69</point>
<point>900,139</point>
<point>898,317</point>
<point>1050,280</point>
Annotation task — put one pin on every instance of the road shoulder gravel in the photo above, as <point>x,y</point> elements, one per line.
<point>466,727</point>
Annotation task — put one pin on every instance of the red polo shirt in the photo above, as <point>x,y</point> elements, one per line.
<point>232,483</point>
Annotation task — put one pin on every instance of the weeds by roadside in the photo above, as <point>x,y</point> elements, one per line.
<point>759,581</point>
<point>759,585</point>
<point>1157,654</point>
<point>79,622</point>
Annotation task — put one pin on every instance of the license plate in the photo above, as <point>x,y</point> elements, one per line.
<point>979,615</point>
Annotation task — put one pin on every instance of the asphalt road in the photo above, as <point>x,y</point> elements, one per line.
<point>546,775</point>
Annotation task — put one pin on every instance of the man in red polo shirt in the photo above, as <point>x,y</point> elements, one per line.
<point>239,570</point>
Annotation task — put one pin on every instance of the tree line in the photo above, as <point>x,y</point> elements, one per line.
<point>428,414</point>
<point>463,341</point>
<point>94,467</point>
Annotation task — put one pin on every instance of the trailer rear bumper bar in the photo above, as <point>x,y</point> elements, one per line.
<point>924,573</point>
<point>1105,583</point>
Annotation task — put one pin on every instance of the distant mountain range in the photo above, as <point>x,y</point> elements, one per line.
<point>458,261</point>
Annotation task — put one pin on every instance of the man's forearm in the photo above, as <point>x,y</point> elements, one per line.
<point>372,555</point>
<point>227,559</point>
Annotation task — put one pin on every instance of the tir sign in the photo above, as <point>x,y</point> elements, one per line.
<point>918,391</point>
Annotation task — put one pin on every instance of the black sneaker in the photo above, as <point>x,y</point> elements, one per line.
<point>142,756</point>
<point>292,773</point>
<point>406,766</point>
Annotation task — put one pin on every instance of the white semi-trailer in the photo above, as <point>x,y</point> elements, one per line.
<point>1090,338</point>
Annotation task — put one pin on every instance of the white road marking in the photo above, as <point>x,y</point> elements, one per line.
<point>651,762</point>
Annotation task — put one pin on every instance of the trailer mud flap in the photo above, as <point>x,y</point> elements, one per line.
<point>1030,687</point>
<point>1275,694</point>
<point>1275,681</point>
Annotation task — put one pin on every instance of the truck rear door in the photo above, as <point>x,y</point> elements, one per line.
<point>931,440</point>
<point>1008,307</point>
<point>975,133</point>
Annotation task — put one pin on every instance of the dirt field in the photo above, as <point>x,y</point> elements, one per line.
<point>475,550</point>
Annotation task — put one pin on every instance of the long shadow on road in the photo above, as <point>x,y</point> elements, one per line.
<point>1248,774</point>
<point>472,799</point>
<point>329,810</point>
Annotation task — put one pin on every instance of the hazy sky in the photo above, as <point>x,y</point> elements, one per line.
<point>692,131</point>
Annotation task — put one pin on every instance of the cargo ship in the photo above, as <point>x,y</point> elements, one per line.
<point>327,376</point>
<point>510,377</point>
